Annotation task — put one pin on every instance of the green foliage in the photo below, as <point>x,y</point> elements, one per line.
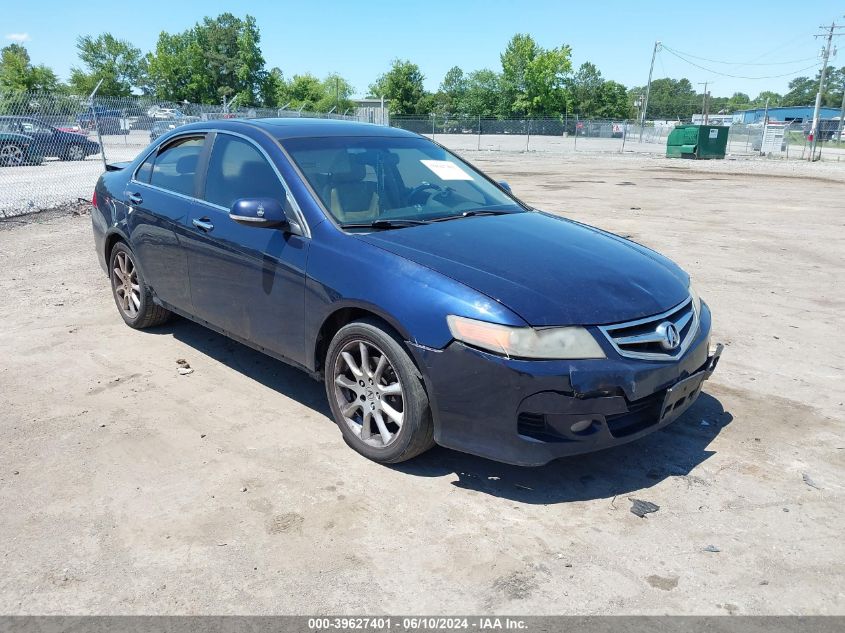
<point>533,78</point>
<point>118,63</point>
<point>18,74</point>
<point>483,96</point>
<point>219,57</point>
<point>671,99</point>
<point>803,90</point>
<point>760,101</point>
<point>403,86</point>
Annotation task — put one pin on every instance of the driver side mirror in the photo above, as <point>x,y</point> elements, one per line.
<point>504,185</point>
<point>263,213</point>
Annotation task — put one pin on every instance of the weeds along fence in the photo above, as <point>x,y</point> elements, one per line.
<point>53,147</point>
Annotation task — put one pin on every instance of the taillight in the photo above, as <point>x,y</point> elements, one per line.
<point>94,199</point>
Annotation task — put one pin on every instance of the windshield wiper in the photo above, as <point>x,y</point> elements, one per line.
<point>468,214</point>
<point>383,224</point>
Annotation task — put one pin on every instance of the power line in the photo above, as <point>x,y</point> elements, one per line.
<point>716,61</point>
<point>722,74</point>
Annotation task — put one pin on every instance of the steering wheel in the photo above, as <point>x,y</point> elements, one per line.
<point>423,186</point>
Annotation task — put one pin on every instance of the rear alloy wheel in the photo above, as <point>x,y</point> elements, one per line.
<point>133,298</point>
<point>376,394</point>
<point>75,152</point>
<point>11,155</point>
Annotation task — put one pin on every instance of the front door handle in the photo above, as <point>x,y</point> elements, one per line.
<point>204,224</point>
<point>135,198</point>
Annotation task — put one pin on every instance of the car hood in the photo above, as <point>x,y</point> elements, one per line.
<point>548,270</point>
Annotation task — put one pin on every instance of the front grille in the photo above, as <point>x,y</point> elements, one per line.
<point>646,338</point>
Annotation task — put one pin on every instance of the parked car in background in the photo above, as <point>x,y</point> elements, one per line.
<point>108,120</point>
<point>17,149</point>
<point>48,140</point>
<point>164,113</point>
<point>435,306</point>
<point>160,127</point>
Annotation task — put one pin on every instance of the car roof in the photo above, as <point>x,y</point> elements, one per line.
<point>284,128</point>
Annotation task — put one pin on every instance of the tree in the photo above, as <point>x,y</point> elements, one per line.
<point>337,93</point>
<point>118,63</point>
<point>802,91</point>
<point>773,98</point>
<point>18,74</point>
<point>452,90</point>
<point>217,57</point>
<point>533,78</point>
<point>671,99</point>
<point>483,94</point>
<point>271,88</point>
<point>403,86</point>
<point>585,90</point>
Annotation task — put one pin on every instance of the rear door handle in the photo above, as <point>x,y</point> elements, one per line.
<point>204,224</point>
<point>135,198</point>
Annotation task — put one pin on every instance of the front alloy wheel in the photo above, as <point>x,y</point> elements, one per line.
<point>376,393</point>
<point>368,393</point>
<point>11,155</point>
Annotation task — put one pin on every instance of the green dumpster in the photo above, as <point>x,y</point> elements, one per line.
<point>697,141</point>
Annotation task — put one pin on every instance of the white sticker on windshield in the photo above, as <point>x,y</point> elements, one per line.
<point>446,170</point>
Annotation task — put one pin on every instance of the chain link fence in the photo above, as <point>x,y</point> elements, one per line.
<point>572,134</point>
<point>53,147</point>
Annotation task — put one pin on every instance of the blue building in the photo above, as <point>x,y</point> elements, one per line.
<point>799,114</point>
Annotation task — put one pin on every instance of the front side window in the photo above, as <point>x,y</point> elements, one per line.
<point>237,169</point>
<point>367,179</point>
<point>175,166</point>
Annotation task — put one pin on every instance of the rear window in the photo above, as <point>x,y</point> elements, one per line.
<point>175,166</point>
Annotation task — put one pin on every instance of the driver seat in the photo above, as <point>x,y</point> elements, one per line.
<point>351,199</point>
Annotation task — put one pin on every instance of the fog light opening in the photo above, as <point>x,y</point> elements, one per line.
<point>582,427</point>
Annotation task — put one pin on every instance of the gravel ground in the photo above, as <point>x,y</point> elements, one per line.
<point>128,488</point>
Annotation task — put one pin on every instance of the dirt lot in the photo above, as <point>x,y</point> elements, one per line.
<point>128,488</point>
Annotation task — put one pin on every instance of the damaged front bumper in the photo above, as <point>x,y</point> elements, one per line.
<point>529,412</point>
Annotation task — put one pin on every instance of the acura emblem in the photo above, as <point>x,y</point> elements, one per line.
<point>669,336</point>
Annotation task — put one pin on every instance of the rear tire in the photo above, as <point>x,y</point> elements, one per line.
<point>376,393</point>
<point>133,297</point>
<point>74,152</point>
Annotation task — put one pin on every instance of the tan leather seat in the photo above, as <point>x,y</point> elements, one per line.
<point>351,198</point>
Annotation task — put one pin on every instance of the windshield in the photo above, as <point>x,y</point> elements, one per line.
<point>362,180</point>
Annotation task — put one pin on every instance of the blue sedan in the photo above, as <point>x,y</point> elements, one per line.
<point>435,306</point>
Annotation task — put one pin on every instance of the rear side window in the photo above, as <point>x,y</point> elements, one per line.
<point>237,169</point>
<point>145,170</point>
<point>175,166</point>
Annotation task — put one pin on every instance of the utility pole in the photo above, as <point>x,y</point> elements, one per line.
<point>704,109</point>
<point>814,129</point>
<point>648,89</point>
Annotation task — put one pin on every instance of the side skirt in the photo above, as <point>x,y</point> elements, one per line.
<point>314,374</point>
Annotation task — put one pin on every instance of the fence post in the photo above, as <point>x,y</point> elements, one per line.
<point>624,136</point>
<point>97,122</point>
<point>528,135</point>
<point>479,132</point>
<point>575,144</point>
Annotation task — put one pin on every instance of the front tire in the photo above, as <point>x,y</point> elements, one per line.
<point>376,393</point>
<point>132,296</point>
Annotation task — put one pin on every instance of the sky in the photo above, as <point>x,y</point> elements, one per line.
<point>359,39</point>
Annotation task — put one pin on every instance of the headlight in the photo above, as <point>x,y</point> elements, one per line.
<point>696,300</point>
<point>526,342</point>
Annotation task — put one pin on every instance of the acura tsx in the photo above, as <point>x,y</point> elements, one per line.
<point>435,305</point>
